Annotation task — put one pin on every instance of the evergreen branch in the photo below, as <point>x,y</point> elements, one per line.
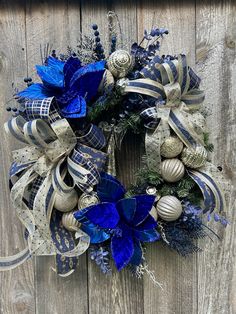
<point>149,177</point>
<point>104,104</point>
<point>208,146</point>
<point>132,122</point>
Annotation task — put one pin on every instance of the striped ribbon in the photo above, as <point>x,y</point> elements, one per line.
<point>53,151</point>
<point>176,85</point>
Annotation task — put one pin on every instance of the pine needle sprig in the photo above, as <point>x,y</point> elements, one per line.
<point>132,122</point>
<point>148,176</point>
<point>104,104</point>
<point>208,146</point>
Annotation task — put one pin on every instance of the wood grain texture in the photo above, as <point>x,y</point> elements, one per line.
<point>54,295</point>
<point>177,274</point>
<point>206,32</point>
<point>17,286</point>
<point>216,64</point>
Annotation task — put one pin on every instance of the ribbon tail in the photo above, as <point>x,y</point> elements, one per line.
<point>65,266</point>
<point>213,195</point>
<point>154,140</point>
<point>111,162</point>
<point>11,262</point>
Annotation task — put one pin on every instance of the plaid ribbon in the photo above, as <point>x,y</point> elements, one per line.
<point>93,138</point>
<point>45,109</point>
<point>41,167</point>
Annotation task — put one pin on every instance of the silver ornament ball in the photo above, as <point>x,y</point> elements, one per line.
<point>120,63</point>
<point>172,170</point>
<point>151,190</point>
<point>194,157</point>
<point>169,208</point>
<point>87,200</point>
<point>65,202</point>
<point>69,221</point>
<point>171,147</point>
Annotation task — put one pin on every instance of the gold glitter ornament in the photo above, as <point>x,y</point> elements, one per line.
<point>171,147</point>
<point>169,208</point>
<point>87,200</point>
<point>120,63</point>
<point>194,157</point>
<point>107,82</point>
<point>65,202</point>
<point>172,170</point>
<point>69,221</point>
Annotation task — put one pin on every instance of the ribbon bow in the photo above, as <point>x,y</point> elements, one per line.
<point>53,152</point>
<point>175,86</point>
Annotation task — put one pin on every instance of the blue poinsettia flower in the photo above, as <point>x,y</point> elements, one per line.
<point>72,84</point>
<point>127,221</point>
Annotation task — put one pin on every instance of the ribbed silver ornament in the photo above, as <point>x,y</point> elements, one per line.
<point>172,170</point>
<point>69,221</point>
<point>169,208</point>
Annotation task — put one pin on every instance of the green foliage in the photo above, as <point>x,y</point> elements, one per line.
<point>103,105</point>
<point>185,188</point>
<point>149,177</point>
<point>144,178</point>
<point>133,123</point>
<point>209,146</point>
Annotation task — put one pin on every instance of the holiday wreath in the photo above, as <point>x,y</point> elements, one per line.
<point>63,183</point>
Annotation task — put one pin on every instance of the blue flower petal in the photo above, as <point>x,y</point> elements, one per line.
<point>143,206</point>
<point>122,248</point>
<point>110,190</point>
<point>51,77</point>
<point>103,215</point>
<point>148,223</point>
<point>106,175</point>
<point>126,208</point>
<point>56,63</point>
<point>147,236</point>
<point>36,91</point>
<point>86,80</point>
<point>70,67</point>
<point>96,235</point>
<point>76,108</point>
<point>137,256</point>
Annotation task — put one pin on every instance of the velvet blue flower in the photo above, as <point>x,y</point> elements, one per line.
<point>72,84</point>
<point>126,220</point>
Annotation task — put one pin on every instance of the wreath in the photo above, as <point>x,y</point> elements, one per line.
<point>63,182</point>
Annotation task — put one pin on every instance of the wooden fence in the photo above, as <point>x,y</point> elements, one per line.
<point>206,283</point>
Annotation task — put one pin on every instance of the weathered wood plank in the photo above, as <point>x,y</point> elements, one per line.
<point>120,293</point>
<point>49,22</point>
<point>177,274</point>
<point>17,286</point>
<point>187,289</point>
<point>216,64</point>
